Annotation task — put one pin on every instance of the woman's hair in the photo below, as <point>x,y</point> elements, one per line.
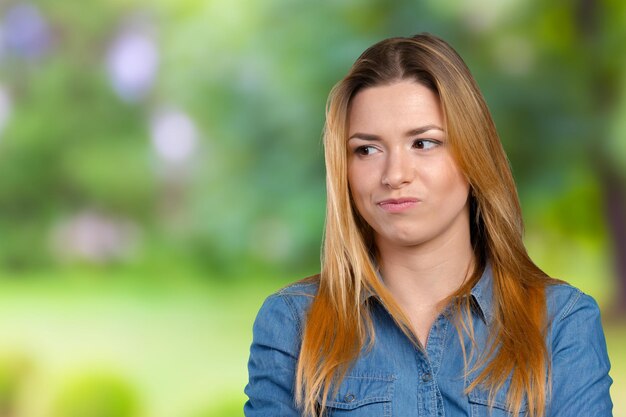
<point>339,324</point>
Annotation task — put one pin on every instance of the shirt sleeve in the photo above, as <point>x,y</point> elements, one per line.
<point>272,363</point>
<point>580,363</point>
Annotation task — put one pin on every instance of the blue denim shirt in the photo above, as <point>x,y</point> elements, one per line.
<point>396,378</point>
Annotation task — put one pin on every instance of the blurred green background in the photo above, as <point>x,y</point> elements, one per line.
<point>161,173</point>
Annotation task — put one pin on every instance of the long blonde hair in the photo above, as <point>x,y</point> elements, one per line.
<point>339,323</point>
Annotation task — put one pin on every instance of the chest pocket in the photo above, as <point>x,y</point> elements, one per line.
<point>362,396</point>
<point>481,407</point>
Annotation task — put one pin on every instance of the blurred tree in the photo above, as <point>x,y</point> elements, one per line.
<point>201,121</point>
<point>71,144</point>
<point>601,34</point>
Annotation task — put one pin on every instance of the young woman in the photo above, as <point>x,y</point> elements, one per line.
<point>427,303</point>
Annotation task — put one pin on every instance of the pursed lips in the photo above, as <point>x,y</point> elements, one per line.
<point>395,205</point>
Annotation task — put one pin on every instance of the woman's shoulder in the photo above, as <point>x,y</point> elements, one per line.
<point>287,307</point>
<point>579,360</point>
<point>298,295</point>
<point>575,319</point>
<point>276,340</point>
<point>306,287</point>
<point>563,300</point>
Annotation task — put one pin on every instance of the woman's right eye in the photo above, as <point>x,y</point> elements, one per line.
<point>365,150</point>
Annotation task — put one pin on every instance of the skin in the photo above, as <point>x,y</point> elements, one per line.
<point>406,184</point>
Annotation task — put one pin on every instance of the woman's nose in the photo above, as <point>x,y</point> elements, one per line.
<point>398,170</point>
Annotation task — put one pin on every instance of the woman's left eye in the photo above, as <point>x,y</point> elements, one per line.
<point>365,150</point>
<point>425,143</point>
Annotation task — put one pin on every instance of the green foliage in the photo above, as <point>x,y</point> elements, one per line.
<point>254,76</point>
<point>70,143</point>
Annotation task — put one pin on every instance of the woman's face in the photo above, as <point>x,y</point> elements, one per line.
<point>402,176</point>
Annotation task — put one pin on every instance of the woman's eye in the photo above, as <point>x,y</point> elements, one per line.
<point>365,150</point>
<point>425,144</point>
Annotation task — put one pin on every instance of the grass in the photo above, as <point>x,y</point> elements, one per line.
<point>182,343</point>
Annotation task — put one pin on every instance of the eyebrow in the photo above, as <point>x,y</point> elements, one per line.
<point>412,132</point>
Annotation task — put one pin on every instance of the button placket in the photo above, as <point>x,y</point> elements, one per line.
<point>349,398</point>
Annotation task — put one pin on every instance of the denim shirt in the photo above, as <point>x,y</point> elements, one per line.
<point>397,378</point>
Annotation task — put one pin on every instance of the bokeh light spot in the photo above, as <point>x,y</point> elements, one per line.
<point>174,135</point>
<point>132,63</point>
<point>5,108</point>
<point>25,31</point>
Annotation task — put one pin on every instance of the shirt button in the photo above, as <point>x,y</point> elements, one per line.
<point>349,398</point>
<point>427,377</point>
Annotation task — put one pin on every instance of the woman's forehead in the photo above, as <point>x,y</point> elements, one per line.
<point>400,106</point>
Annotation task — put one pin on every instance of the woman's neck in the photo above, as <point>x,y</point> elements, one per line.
<point>421,278</point>
<point>425,275</point>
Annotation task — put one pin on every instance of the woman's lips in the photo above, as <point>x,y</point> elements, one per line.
<point>398,205</point>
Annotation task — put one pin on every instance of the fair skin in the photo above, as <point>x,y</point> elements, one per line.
<point>408,188</point>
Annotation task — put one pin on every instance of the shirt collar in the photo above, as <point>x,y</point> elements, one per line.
<point>482,293</point>
<point>366,293</point>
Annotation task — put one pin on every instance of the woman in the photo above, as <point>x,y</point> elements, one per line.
<point>427,303</point>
